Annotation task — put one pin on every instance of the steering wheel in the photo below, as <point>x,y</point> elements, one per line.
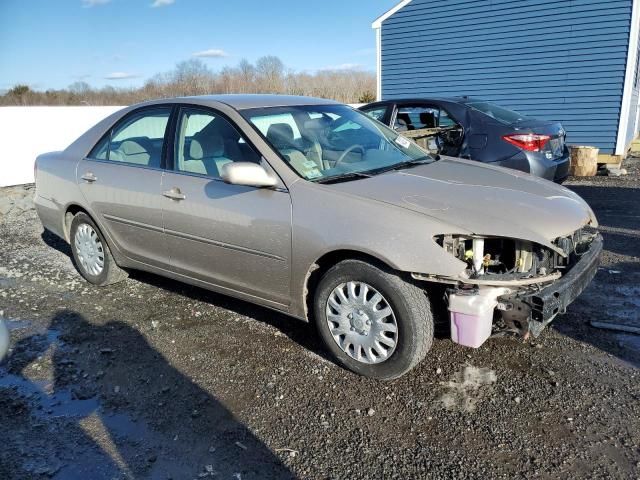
<point>347,152</point>
<point>446,136</point>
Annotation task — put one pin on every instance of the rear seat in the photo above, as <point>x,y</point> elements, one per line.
<point>139,151</point>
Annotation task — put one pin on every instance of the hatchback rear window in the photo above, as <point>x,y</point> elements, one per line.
<point>501,114</point>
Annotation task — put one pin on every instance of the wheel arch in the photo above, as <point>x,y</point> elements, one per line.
<point>321,265</point>
<point>71,211</point>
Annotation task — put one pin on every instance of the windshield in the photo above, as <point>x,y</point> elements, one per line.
<point>501,114</point>
<point>322,142</point>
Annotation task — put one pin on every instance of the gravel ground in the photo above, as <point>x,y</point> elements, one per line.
<point>151,378</point>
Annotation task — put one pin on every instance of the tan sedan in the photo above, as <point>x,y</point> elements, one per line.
<point>312,208</point>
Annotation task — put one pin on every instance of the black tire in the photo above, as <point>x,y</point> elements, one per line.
<point>409,303</point>
<point>111,272</point>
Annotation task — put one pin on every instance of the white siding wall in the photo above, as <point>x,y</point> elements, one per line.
<point>26,132</point>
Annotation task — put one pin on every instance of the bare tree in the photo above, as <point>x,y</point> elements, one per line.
<point>193,77</point>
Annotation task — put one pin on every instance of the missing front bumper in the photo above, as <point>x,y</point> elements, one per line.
<point>542,306</point>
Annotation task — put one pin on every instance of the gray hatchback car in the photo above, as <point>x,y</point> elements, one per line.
<point>312,208</point>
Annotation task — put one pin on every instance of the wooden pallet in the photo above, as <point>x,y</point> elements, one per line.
<point>610,159</point>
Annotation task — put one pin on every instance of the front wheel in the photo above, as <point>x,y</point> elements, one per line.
<point>371,320</point>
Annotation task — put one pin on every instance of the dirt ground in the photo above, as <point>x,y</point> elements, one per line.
<point>151,378</point>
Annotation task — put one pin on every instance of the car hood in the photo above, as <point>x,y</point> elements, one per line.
<point>480,199</point>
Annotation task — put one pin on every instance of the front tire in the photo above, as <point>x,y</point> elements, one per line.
<point>91,254</point>
<point>372,321</point>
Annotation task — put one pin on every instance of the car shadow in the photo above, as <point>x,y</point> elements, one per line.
<point>115,407</point>
<point>299,331</point>
<point>303,333</point>
<point>57,243</point>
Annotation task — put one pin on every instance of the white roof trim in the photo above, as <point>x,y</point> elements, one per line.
<point>629,76</point>
<point>377,23</point>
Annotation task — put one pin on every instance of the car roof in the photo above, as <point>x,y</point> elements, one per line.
<point>460,100</point>
<point>246,101</point>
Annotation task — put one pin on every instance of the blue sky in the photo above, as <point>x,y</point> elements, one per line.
<point>53,43</point>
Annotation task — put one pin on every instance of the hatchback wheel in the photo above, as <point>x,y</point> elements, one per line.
<point>371,320</point>
<point>91,253</point>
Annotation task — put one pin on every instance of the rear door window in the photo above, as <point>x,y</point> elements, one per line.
<point>376,113</point>
<point>503,115</point>
<point>138,139</point>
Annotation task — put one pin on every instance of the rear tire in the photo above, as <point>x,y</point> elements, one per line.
<point>91,255</point>
<point>372,321</point>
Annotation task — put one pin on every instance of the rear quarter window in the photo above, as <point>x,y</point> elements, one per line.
<point>503,115</point>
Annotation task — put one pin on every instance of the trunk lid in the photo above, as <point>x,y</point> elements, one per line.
<point>554,148</point>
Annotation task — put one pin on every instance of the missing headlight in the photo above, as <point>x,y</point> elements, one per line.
<point>498,256</point>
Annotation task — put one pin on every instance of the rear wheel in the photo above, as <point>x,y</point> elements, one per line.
<point>91,254</point>
<point>371,320</point>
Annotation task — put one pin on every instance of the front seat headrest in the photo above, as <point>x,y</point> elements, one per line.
<point>406,119</point>
<point>316,124</point>
<point>401,125</point>
<point>280,135</point>
<point>211,144</point>
<point>195,150</point>
<point>428,119</point>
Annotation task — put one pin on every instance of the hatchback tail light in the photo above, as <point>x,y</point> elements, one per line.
<point>531,142</point>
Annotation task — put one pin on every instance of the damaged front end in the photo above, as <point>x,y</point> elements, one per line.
<point>513,284</point>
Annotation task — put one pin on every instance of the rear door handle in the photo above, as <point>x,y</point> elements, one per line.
<point>89,177</point>
<point>174,194</point>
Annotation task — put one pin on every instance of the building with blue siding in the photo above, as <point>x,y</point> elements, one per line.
<point>573,61</point>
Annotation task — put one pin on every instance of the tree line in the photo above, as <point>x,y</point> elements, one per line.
<point>193,77</point>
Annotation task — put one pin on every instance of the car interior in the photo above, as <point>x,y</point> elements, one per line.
<point>328,142</point>
<point>318,142</point>
<point>204,145</point>
<point>138,151</point>
<point>214,144</point>
<point>447,140</point>
<point>315,143</point>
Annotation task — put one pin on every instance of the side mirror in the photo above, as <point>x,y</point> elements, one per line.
<point>247,173</point>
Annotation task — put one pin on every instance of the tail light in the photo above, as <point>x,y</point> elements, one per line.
<point>531,142</point>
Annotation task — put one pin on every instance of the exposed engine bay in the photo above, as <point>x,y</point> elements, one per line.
<point>513,285</point>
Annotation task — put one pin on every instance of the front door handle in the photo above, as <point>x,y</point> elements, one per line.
<point>174,194</point>
<point>89,177</point>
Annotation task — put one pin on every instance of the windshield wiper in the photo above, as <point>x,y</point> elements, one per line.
<point>406,164</point>
<point>344,177</point>
<point>370,173</point>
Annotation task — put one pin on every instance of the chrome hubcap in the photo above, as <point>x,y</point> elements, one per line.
<point>362,322</point>
<point>89,250</point>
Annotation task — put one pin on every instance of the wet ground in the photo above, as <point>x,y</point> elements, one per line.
<point>151,378</point>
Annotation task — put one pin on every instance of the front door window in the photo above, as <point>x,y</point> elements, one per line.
<point>205,142</point>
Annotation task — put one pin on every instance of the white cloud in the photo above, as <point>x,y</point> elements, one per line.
<point>211,53</point>
<point>162,3</point>
<point>120,76</point>
<point>344,66</point>
<point>93,3</point>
